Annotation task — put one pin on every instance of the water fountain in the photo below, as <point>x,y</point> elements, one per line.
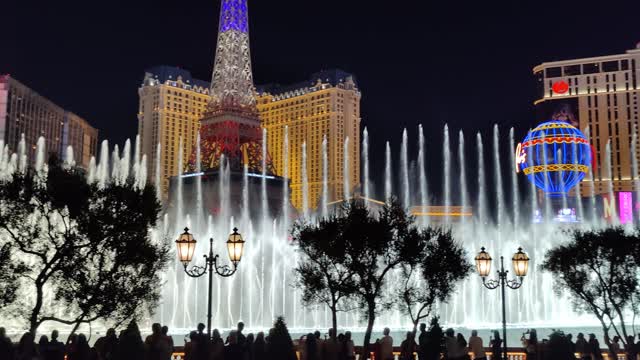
<point>261,289</point>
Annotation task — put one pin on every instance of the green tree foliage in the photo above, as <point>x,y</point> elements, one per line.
<point>280,343</point>
<point>435,276</point>
<point>600,269</point>
<point>322,273</point>
<point>88,249</point>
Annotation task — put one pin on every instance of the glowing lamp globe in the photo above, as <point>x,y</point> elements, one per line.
<point>235,246</point>
<point>555,156</point>
<point>483,263</point>
<point>520,263</point>
<point>186,245</point>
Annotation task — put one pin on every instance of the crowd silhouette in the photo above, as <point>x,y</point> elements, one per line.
<point>428,344</point>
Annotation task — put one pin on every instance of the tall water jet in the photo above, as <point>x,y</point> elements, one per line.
<point>103,166</point>
<point>179,199</point>
<point>345,170</point>
<point>387,172</point>
<point>22,154</point>
<point>40,154</point>
<point>464,194</point>
<point>141,180</point>
<point>578,197</point>
<point>69,161</point>
<point>125,162</point>
<point>634,162</point>
<point>285,184</point>
<point>199,199</point>
<point>263,192</point>
<point>608,167</point>
<point>515,194</point>
<point>245,195</point>
<point>136,156</point>
<point>404,169</point>
<point>365,162</point>
<point>158,171</point>
<point>482,186</point>
<point>305,182</point>
<point>325,178</point>
<point>424,195</point>
<point>547,201</point>
<point>446,157</point>
<point>497,165</point>
<point>91,177</point>
<point>592,190</point>
<point>115,164</point>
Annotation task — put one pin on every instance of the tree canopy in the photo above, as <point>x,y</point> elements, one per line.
<point>600,270</point>
<point>86,249</point>
<point>433,279</point>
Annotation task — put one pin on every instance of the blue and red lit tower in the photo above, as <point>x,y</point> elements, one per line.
<point>230,125</point>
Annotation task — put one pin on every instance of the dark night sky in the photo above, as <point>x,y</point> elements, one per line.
<point>467,64</point>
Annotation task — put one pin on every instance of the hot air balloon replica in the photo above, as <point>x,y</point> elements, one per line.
<point>555,156</point>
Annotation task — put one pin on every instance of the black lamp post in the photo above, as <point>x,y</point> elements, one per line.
<point>186,247</point>
<point>520,267</point>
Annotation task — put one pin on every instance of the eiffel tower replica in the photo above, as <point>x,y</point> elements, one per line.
<point>230,125</point>
<point>231,138</point>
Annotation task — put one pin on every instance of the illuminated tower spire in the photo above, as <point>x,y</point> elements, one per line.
<point>230,125</point>
<point>232,80</point>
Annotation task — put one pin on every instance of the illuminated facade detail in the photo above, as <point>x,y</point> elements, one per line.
<point>171,105</point>
<point>556,157</point>
<point>23,111</point>
<point>230,125</point>
<point>328,104</point>
<point>603,93</point>
<point>560,87</point>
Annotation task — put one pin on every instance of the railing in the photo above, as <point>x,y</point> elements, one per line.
<point>512,354</point>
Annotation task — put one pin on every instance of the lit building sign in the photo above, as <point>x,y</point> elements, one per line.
<point>625,205</point>
<point>521,157</point>
<point>560,87</point>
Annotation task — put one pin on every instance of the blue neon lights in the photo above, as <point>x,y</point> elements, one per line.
<point>234,16</point>
<point>555,157</point>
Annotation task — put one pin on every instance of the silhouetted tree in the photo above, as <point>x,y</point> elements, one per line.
<point>322,273</point>
<point>280,345</point>
<point>375,245</point>
<point>10,272</point>
<point>600,270</point>
<point>89,248</point>
<point>434,277</point>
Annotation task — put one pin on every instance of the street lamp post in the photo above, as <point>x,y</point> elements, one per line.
<point>186,247</point>
<point>520,267</point>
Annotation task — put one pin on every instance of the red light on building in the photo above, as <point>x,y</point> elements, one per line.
<point>560,87</point>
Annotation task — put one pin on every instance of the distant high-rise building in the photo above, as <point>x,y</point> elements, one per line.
<point>599,95</point>
<point>24,111</point>
<point>328,105</point>
<point>170,108</point>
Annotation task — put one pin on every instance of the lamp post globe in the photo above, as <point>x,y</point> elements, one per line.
<point>186,245</point>
<point>483,263</point>
<point>520,263</point>
<point>235,246</point>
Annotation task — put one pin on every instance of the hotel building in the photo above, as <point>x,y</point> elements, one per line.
<point>328,104</point>
<point>171,105</point>
<point>599,95</point>
<point>25,112</point>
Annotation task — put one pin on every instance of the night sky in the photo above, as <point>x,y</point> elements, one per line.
<point>467,64</point>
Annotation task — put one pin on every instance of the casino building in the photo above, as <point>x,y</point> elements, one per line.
<point>327,105</point>
<point>599,95</point>
<point>24,112</point>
